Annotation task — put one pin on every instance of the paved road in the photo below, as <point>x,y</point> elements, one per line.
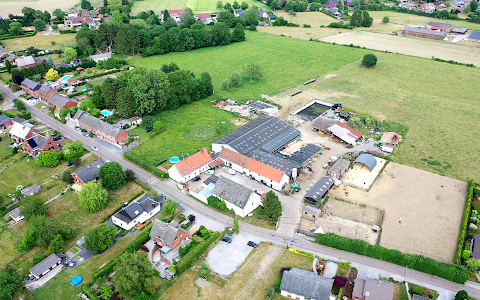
<point>264,234</point>
<point>10,96</point>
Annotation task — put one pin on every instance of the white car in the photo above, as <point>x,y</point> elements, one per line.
<point>230,171</point>
<point>210,172</point>
<point>94,148</point>
<point>45,106</point>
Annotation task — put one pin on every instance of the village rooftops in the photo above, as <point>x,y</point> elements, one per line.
<point>307,284</point>
<point>275,161</point>
<point>134,209</point>
<point>34,188</point>
<point>194,162</point>
<point>164,231</point>
<point>105,127</point>
<point>21,130</point>
<point>38,141</point>
<point>232,192</point>
<point>25,61</point>
<point>373,289</point>
<point>90,171</point>
<point>437,25</point>
<point>62,101</point>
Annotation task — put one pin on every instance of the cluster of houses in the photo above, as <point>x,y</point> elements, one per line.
<point>437,31</point>
<point>75,18</point>
<point>208,18</point>
<point>19,62</point>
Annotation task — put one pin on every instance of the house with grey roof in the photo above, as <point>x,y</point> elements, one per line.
<point>236,196</point>
<point>16,214</point>
<point>39,143</point>
<point>5,121</point>
<point>99,57</point>
<point>61,101</point>
<point>302,284</point>
<point>87,173</point>
<point>311,213</point>
<point>31,87</point>
<point>102,129</point>
<point>45,266</point>
<point>319,190</point>
<point>322,123</point>
<point>372,289</point>
<point>32,190</point>
<point>338,168</point>
<point>25,62</point>
<point>167,236</point>
<point>136,213</point>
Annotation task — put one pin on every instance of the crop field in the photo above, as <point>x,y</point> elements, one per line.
<point>408,45</point>
<point>420,20</point>
<point>43,42</point>
<point>198,6</point>
<point>441,117</point>
<point>283,66</point>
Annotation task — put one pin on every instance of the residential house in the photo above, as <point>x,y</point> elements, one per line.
<point>5,122</point>
<point>13,59</point>
<point>97,13</point>
<point>319,190</point>
<point>102,129</point>
<point>338,168</point>
<point>60,101</point>
<point>46,92</point>
<point>136,213</point>
<point>191,167</point>
<point>72,13</point>
<point>45,266</point>
<point>167,236</point>
<point>39,143</point>
<point>311,212</point>
<point>262,13</point>
<point>271,177</point>
<point>87,173</point>
<point>423,33</point>
<point>31,87</point>
<point>428,7</point>
<point>86,14</point>
<point>372,289</point>
<point>236,196</point>
<point>60,64</point>
<point>345,133</point>
<point>32,190</point>
<point>25,62</point>
<point>16,214</point>
<point>302,284</point>
<point>334,12</point>
<point>272,16</point>
<point>461,3</point>
<point>445,27</point>
<point>76,22</point>
<point>175,14</point>
<point>331,4</point>
<point>102,56</point>
<point>133,121</point>
<point>475,36</point>
<point>4,54</point>
<point>205,18</point>
<point>22,132</point>
<point>440,5</point>
<point>238,13</point>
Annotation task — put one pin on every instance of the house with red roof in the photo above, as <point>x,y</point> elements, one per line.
<point>428,7</point>
<point>345,133</point>
<point>191,167</point>
<point>205,18</point>
<point>39,143</point>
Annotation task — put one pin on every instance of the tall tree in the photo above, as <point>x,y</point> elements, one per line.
<point>126,103</point>
<point>171,206</point>
<point>236,79</point>
<point>133,273</point>
<point>50,61</point>
<point>93,197</point>
<point>46,17</point>
<point>51,75</point>
<point>56,244</point>
<point>49,159</point>
<point>238,33</point>
<point>73,150</point>
<point>11,283</point>
<point>70,54</point>
<point>100,238</point>
<point>253,71</point>
<point>221,34</point>
<point>44,230</point>
<point>112,175</point>
<point>67,231</point>
<point>59,14</point>
<point>34,206</point>
<point>188,18</point>
<point>15,29</point>
<point>272,208</point>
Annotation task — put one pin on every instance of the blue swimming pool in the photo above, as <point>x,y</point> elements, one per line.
<point>66,78</point>
<point>174,159</point>
<point>106,113</point>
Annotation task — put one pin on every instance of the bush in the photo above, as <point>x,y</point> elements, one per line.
<point>369,60</point>
<point>217,203</point>
<point>465,221</point>
<point>461,295</point>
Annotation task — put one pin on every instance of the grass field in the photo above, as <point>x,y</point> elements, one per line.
<point>40,41</point>
<point>198,6</point>
<point>283,67</point>
<point>440,115</point>
<point>186,118</point>
<point>409,45</point>
<point>420,20</point>
<point>15,6</point>
<point>8,251</point>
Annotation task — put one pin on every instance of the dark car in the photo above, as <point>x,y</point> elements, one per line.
<point>252,244</point>
<point>149,130</point>
<point>226,239</point>
<point>69,163</point>
<point>57,138</point>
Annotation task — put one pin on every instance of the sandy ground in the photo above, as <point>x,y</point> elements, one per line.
<point>360,175</point>
<point>409,45</point>
<point>354,212</point>
<point>423,210</point>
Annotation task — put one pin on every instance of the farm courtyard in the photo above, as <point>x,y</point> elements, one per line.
<point>423,211</point>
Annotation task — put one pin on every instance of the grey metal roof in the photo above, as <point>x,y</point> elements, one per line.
<point>305,153</point>
<point>260,105</point>
<point>281,140</point>
<point>31,84</point>
<point>322,123</point>
<point>312,210</point>
<point>20,120</point>
<point>100,56</point>
<point>423,30</point>
<point>459,30</point>
<point>4,119</point>
<point>368,160</point>
<point>96,123</point>
<point>255,134</point>
<point>306,284</point>
<point>25,61</point>
<point>474,35</point>
<point>232,192</point>
<point>163,231</point>
<point>320,189</point>
<point>60,100</point>
<point>34,188</point>
<point>90,171</point>
<point>378,290</point>
<point>338,168</point>
<point>45,264</point>
<point>211,179</point>
<point>275,161</point>
<point>439,24</point>
<point>15,213</point>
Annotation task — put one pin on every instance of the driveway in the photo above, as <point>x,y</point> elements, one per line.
<point>42,281</point>
<point>225,258</point>
<point>209,223</point>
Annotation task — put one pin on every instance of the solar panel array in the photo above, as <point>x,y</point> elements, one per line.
<point>305,153</point>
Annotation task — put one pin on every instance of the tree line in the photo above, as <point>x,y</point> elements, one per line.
<point>146,92</point>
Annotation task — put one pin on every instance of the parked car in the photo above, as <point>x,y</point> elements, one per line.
<point>210,172</point>
<point>252,244</point>
<point>69,163</point>
<point>77,128</point>
<point>149,130</point>
<point>230,171</point>
<point>86,134</point>
<point>226,239</point>
<point>45,106</point>
<point>56,138</point>
<point>94,148</point>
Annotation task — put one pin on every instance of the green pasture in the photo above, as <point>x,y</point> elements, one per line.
<point>198,6</point>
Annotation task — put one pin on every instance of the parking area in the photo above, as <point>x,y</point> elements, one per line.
<point>225,258</point>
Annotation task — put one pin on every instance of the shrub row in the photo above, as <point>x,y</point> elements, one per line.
<point>454,62</point>
<point>121,206</point>
<point>132,247</point>
<point>146,165</point>
<point>142,185</point>
<point>466,218</point>
<point>8,36</point>
<point>301,252</point>
<point>451,272</point>
<point>88,292</point>
<point>191,256</point>
<point>101,74</point>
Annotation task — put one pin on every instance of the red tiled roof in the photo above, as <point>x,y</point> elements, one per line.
<point>355,133</point>
<point>235,157</point>
<point>193,162</point>
<point>204,17</point>
<point>265,171</point>
<point>215,163</point>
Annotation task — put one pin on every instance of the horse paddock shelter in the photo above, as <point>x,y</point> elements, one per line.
<point>362,175</point>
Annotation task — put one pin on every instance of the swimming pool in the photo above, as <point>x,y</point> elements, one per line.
<point>66,78</point>
<point>174,159</point>
<point>106,113</point>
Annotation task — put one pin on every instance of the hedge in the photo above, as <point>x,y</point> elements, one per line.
<point>142,185</point>
<point>193,254</point>
<point>301,252</point>
<point>451,272</point>
<point>8,36</point>
<point>120,207</point>
<point>144,164</point>
<point>465,221</point>
<point>88,292</point>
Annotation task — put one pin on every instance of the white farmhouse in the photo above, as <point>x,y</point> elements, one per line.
<point>236,196</point>
<point>137,212</point>
<point>191,167</point>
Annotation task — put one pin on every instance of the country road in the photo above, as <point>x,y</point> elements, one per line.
<point>294,241</point>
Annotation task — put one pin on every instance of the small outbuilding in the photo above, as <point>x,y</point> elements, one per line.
<point>16,214</point>
<point>338,168</point>
<point>475,247</point>
<point>45,266</point>
<point>459,30</point>
<point>475,35</point>
<point>31,190</point>
<point>319,190</point>
<point>368,160</point>
<point>311,212</point>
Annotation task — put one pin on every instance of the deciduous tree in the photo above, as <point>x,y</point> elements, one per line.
<point>386,20</point>
<point>369,60</point>
<point>93,197</point>
<point>462,295</point>
<point>272,208</point>
<point>51,75</point>
<point>112,175</point>
<point>100,238</point>
<point>253,71</point>
<point>70,54</point>
<point>73,150</point>
<point>59,14</point>
<point>133,273</point>
<point>34,206</point>
<point>39,24</point>
<point>15,29</point>
<point>236,79</point>
<point>67,231</point>
<point>56,244</point>
<point>10,283</point>
<point>43,228</point>
<point>238,33</point>
<point>49,159</point>
<point>171,206</point>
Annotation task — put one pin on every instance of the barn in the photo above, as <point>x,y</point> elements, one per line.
<point>423,33</point>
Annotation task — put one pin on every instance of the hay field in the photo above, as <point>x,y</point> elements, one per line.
<point>408,45</point>
<point>41,42</point>
<point>198,6</point>
<point>423,210</point>
<point>15,7</point>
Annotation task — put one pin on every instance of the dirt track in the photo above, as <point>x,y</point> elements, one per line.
<point>423,210</point>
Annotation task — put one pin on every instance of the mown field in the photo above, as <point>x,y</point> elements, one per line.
<point>43,42</point>
<point>441,116</point>
<point>15,7</point>
<point>198,6</point>
<point>285,62</point>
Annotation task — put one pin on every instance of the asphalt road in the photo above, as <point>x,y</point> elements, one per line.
<point>7,93</point>
<point>296,242</point>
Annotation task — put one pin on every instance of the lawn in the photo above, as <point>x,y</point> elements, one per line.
<point>58,288</point>
<point>43,42</point>
<point>198,6</point>
<point>8,251</point>
<point>283,66</point>
<point>172,142</point>
<point>440,116</point>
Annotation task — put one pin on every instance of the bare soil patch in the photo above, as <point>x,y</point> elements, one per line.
<point>423,210</point>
